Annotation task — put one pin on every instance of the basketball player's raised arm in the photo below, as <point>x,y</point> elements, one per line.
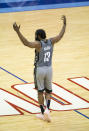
<point>60,35</point>
<point>23,39</point>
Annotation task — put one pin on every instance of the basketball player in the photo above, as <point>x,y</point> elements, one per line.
<point>43,65</point>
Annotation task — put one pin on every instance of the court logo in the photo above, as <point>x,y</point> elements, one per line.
<point>62,99</point>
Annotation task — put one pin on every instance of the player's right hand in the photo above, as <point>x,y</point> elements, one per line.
<point>64,19</point>
<point>16,27</point>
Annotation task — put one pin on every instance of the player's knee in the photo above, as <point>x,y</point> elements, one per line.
<point>48,91</point>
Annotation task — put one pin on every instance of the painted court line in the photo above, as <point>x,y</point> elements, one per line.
<point>27,82</point>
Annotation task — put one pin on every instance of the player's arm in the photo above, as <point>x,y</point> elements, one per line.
<point>60,35</point>
<point>23,39</point>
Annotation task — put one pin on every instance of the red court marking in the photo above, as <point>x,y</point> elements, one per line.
<point>70,79</point>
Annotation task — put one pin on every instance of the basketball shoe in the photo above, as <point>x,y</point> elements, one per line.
<point>47,115</point>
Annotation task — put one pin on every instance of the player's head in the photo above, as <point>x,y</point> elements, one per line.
<point>40,34</point>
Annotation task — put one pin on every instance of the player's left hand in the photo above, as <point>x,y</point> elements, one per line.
<point>16,27</point>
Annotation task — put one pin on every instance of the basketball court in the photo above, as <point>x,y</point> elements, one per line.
<point>70,64</point>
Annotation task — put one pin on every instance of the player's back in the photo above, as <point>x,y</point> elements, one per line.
<point>44,57</point>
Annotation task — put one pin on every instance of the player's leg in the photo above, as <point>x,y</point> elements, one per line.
<point>40,93</point>
<point>41,101</point>
<point>48,86</point>
<point>40,83</point>
<point>48,89</point>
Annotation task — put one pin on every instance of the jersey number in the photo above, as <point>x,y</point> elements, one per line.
<point>46,56</point>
